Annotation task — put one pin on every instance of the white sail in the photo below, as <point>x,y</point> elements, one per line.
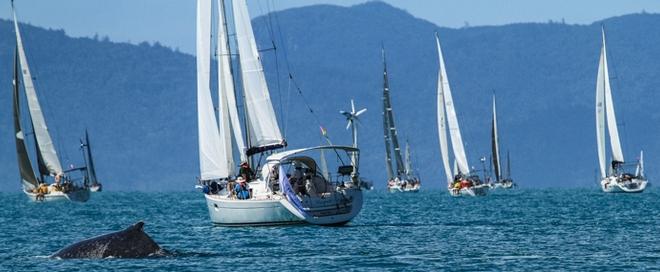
<point>406,160</point>
<point>263,124</point>
<point>442,122</point>
<point>211,152</point>
<point>496,144</point>
<point>617,154</point>
<point>44,140</point>
<point>452,120</point>
<point>227,111</point>
<point>600,113</point>
<point>639,172</point>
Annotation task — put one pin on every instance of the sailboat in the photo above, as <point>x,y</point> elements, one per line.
<point>460,181</point>
<point>501,180</point>
<point>64,185</point>
<point>613,179</point>
<point>94,184</point>
<point>289,187</point>
<point>404,180</point>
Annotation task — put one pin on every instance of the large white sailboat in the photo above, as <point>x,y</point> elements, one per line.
<point>71,184</point>
<point>502,180</point>
<point>290,187</point>
<point>404,180</point>
<point>460,181</point>
<point>613,179</point>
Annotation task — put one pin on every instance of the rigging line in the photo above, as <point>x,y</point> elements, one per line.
<point>621,121</point>
<point>277,65</point>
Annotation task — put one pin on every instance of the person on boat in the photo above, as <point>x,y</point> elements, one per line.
<point>246,172</point>
<point>41,191</point>
<point>274,180</point>
<point>56,186</point>
<point>241,190</point>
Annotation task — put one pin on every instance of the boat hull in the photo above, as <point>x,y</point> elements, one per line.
<point>235,212</point>
<point>612,184</point>
<point>480,190</point>
<point>334,209</point>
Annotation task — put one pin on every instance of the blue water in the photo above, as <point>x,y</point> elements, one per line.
<point>520,230</point>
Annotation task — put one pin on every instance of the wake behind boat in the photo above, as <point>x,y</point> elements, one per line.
<point>71,184</point>
<point>289,188</point>
<point>404,180</point>
<point>460,181</point>
<point>616,180</point>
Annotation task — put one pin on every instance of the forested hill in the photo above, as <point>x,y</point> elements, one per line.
<point>138,101</point>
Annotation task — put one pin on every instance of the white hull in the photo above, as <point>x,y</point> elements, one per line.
<point>502,185</point>
<point>274,209</point>
<point>95,188</point>
<point>479,190</point>
<point>611,184</point>
<point>399,189</point>
<point>81,195</point>
<point>267,211</point>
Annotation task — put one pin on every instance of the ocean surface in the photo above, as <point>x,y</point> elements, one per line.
<point>517,230</point>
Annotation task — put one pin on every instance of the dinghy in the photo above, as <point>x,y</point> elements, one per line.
<point>52,182</point>
<point>289,188</point>
<point>460,182</point>
<point>613,179</point>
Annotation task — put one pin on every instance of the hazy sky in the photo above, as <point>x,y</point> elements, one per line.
<point>172,22</point>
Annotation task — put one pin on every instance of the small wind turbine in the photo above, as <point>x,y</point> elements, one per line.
<point>352,118</point>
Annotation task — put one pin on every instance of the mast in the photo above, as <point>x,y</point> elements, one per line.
<point>386,124</point>
<point>442,121</point>
<point>390,121</point>
<point>44,142</point>
<point>28,178</point>
<point>495,145</point>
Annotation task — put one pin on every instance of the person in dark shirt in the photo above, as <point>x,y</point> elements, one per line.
<point>246,172</point>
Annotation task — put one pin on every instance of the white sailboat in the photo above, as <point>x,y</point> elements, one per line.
<point>613,179</point>
<point>404,180</point>
<point>290,187</point>
<point>461,181</point>
<point>501,180</point>
<point>64,185</point>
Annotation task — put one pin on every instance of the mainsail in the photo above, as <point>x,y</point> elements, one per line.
<point>389,115</point>
<point>44,142</point>
<point>28,177</point>
<point>211,150</point>
<point>605,112</point>
<point>264,131</point>
<point>91,171</point>
<point>495,145</point>
<point>442,121</point>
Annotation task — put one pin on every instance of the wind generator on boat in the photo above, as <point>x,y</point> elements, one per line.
<point>501,180</point>
<point>290,187</point>
<point>613,179</point>
<point>404,180</point>
<point>64,183</point>
<point>461,181</point>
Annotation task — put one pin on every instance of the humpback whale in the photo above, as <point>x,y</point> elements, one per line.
<point>131,242</point>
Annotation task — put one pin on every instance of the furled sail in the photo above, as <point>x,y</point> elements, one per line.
<point>617,154</point>
<point>389,116</point>
<point>211,153</point>
<point>28,177</point>
<point>495,145</point>
<point>44,141</point>
<point>264,131</point>
<point>452,120</point>
<point>442,121</point>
